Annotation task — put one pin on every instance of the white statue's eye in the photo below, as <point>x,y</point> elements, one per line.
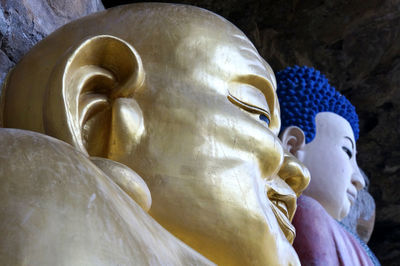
<point>348,152</point>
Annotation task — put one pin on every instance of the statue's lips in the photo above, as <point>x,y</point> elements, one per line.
<point>351,196</point>
<point>282,215</point>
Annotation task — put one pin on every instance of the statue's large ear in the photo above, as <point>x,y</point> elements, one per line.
<point>293,140</point>
<point>88,98</point>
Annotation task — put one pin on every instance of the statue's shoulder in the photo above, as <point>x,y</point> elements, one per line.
<point>54,199</point>
<point>307,206</point>
<point>313,222</point>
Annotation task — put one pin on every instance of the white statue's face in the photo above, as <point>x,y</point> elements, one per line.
<point>331,159</point>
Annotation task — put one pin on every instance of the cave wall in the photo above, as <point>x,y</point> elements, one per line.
<point>355,43</point>
<point>24,23</point>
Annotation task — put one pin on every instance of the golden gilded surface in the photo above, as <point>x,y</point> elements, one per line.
<point>57,208</point>
<point>174,93</point>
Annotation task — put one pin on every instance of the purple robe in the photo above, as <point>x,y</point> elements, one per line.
<point>321,240</point>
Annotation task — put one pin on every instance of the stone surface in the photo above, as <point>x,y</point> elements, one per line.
<point>24,23</point>
<point>357,45</point>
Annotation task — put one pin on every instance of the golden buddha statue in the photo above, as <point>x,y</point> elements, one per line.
<point>180,96</point>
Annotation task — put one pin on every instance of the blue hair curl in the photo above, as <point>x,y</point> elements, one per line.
<point>304,92</point>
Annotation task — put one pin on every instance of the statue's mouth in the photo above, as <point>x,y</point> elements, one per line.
<point>283,215</point>
<point>351,195</point>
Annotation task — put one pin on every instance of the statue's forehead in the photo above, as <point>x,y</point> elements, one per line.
<point>333,126</point>
<point>156,31</point>
<point>230,53</point>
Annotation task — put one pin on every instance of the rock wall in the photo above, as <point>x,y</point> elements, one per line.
<point>24,23</point>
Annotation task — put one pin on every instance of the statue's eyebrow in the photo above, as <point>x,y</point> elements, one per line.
<point>266,89</point>
<point>351,141</point>
<point>261,84</point>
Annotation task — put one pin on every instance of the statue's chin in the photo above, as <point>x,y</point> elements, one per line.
<point>339,210</point>
<point>344,210</point>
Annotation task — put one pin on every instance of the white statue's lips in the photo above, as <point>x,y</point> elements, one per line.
<point>351,196</point>
<point>282,215</point>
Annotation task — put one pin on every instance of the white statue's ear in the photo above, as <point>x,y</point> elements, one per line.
<point>293,140</point>
<point>89,101</point>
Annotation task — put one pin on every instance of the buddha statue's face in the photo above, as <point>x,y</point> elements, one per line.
<point>218,175</point>
<point>208,159</point>
<point>331,159</point>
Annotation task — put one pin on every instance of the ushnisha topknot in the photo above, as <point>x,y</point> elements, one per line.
<point>304,92</point>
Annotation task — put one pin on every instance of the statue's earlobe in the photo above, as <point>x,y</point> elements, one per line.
<point>85,91</point>
<point>128,180</point>
<point>127,127</point>
<point>293,140</point>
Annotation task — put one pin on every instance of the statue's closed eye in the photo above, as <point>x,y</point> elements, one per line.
<point>251,100</point>
<point>265,119</point>
<point>348,152</point>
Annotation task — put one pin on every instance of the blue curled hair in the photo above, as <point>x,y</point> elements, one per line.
<point>303,92</point>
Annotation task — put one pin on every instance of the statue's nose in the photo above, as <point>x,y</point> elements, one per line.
<point>357,178</point>
<point>294,173</point>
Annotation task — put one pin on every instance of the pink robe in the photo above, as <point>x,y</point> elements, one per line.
<point>321,240</point>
